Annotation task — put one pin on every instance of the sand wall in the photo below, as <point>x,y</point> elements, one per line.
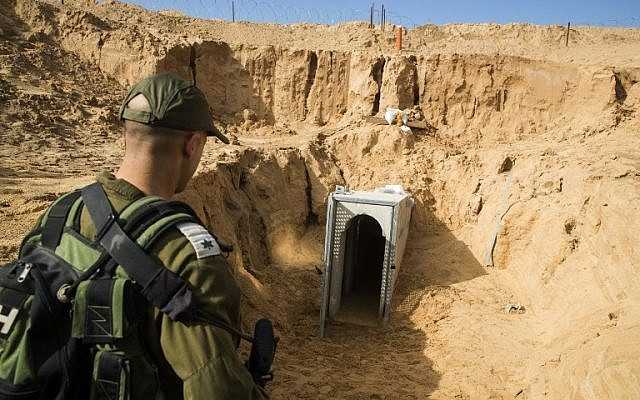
<point>484,95</point>
<point>492,96</point>
<point>263,202</point>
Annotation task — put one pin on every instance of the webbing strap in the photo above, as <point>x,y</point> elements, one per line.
<point>137,221</point>
<point>160,286</point>
<point>111,372</point>
<point>99,323</point>
<point>52,231</point>
<point>13,298</point>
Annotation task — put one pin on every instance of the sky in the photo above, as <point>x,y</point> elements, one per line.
<point>414,12</point>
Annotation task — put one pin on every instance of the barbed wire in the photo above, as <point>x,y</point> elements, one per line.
<point>275,11</point>
<point>630,22</point>
<point>287,12</point>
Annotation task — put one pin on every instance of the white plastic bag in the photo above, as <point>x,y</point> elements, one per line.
<point>391,114</point>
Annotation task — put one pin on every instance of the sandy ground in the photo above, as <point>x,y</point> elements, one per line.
<point>565,217</point>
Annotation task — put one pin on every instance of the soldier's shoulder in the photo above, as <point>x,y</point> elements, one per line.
<point>185,242</point>
<point>202,241</point>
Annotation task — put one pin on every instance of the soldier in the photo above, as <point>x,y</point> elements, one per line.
<point>166,123</point>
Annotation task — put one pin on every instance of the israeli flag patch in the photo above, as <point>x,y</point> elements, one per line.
<point>201,240</point>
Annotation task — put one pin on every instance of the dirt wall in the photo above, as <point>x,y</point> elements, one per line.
<point>483,95</point>
<point>493,96</point>
<point>248,198</point>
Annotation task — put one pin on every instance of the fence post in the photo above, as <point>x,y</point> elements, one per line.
<point>233,11</point>
<point>568,30</point>
<point>371,16</point>
<point>384,17</point>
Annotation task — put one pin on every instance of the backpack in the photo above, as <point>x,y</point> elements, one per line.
<point>71,310</point>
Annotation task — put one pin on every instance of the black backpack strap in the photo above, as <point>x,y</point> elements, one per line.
<point>160,286</point>
<point>148,215</point>
<point>56,219</point>
<point>157,210</point>
<point>135,225</point>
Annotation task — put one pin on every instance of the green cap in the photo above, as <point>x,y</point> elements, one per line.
<point>173,103</point>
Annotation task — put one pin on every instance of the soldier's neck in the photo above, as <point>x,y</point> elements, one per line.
<point>154,177</point>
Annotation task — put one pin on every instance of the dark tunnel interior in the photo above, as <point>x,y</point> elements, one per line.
<point>363,265</point>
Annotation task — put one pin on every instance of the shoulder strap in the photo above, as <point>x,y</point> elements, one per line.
<point>56,219</point>
<point>142,220</point>
<point>156,211</point>
<point>145,216</point>
<point>136,219</point>
<point>160,286</point>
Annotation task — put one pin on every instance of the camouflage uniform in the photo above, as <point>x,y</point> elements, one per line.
<point>198,362</point>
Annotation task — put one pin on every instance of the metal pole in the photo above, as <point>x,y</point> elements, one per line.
<point>385,17</point>
<point>371,17</point>
<point>382,17</point>
<point>568,30</point>
<point>233,11</point>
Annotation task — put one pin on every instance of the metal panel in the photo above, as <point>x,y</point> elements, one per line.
<point>326,276</point>
<point>381,213</point>
<point>389,261</point>
<point>401,223</point>
<point>379,202</point>
<point>342,217</point>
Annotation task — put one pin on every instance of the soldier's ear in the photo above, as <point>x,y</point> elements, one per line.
<point>191,143</point>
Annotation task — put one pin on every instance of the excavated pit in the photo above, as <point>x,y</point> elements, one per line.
<point>271,204</point>
<point>553,236</point>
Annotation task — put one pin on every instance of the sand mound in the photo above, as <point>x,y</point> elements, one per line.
<point>526,184</point>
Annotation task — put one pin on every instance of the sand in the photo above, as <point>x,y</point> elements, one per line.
<point>556,233</point>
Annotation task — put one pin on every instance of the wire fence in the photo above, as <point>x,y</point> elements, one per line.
<point>628,22</point>
<point>278,11</point>
<point>289,12</point>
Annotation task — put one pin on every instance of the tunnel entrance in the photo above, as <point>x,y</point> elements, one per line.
<point>365,238</point>
<point>363,265</point>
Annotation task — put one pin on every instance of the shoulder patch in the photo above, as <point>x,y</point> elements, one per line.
<point>204,244</point>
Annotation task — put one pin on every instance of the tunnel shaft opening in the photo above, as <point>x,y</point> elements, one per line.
<point>363,265</point>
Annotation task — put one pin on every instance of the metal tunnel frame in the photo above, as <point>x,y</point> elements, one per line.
<point>393,212</point>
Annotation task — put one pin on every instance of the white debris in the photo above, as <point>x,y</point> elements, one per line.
<point>391,116</point>
<point>393,189</point>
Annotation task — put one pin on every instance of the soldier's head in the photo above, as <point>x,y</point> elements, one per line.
<point>167,120</point>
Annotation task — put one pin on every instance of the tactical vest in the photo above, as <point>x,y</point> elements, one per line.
<point>72,310</point>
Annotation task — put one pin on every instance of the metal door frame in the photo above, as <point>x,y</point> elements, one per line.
<point>328,255</point>
<point>332,240</point>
